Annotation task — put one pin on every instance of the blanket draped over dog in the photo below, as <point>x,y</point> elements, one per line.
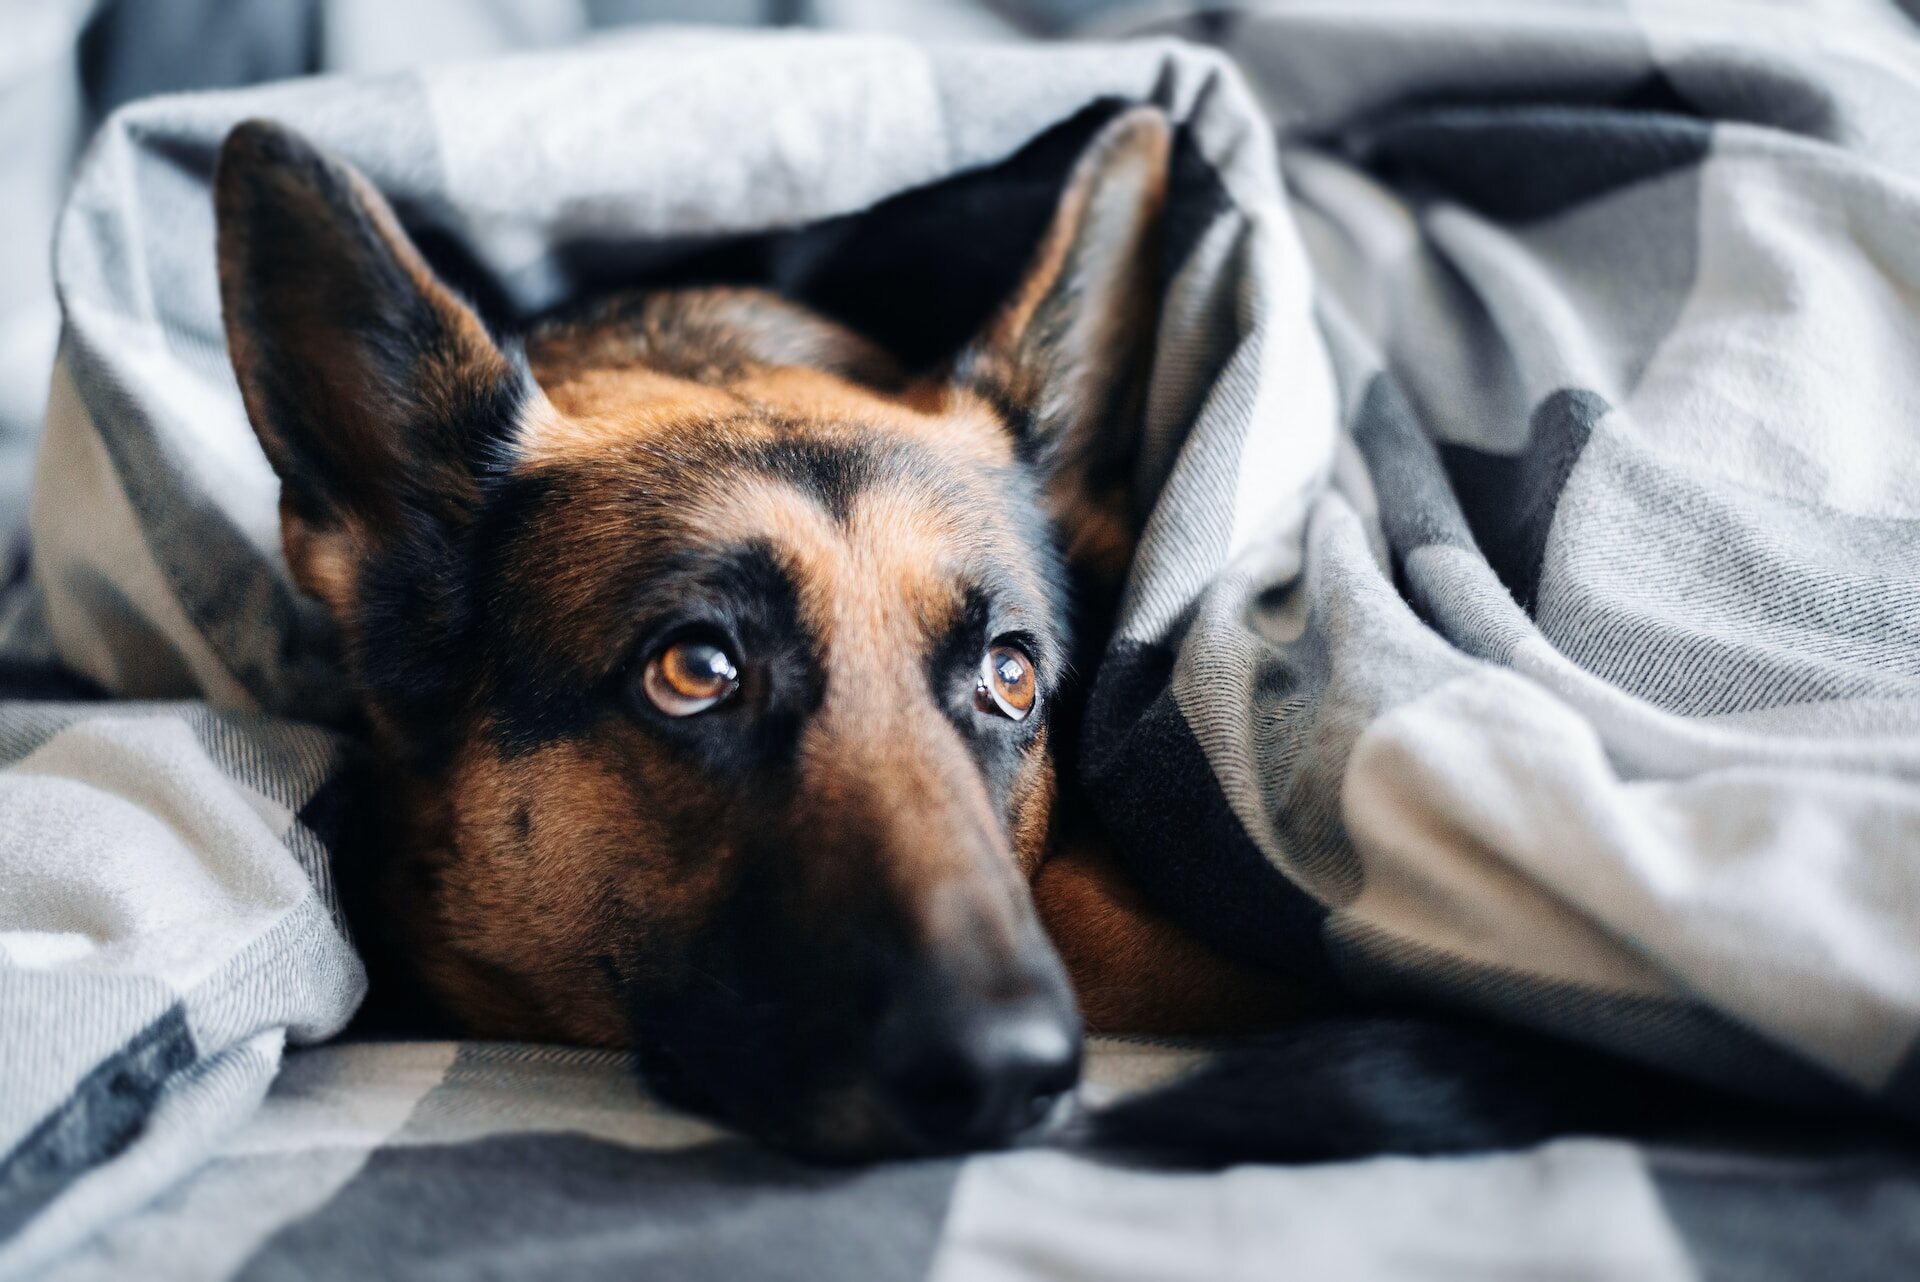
<point>1527,610</point>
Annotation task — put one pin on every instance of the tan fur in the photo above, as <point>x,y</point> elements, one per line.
<point>601,407</point>
<point>325,563</point>
<point>545,908</point>
<point>1135,970</point>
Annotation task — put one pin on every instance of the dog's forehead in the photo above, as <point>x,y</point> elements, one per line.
<point>881,518</point>
<point>662,366</point>
<point>846,517</point>
<point>596,412</point>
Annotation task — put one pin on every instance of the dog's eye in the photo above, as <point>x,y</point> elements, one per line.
<point>689,677</point>
<point>1006,685</point>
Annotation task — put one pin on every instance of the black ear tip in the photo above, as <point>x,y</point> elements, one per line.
<point>263,142</point>
<point>260,156</point>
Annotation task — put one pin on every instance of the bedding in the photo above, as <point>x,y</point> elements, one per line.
<point>65,64</point>
<point>485,1160</point>
<point>1524,619</point>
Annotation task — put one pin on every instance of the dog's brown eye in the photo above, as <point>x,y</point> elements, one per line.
<point>689,677</point>
<point>1006,684</point>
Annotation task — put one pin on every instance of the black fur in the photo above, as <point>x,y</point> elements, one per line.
<point>1357,1087</point>
<point>1028,444</point>
<point>833,474</point>
<point>416,623</point>
<point>319,261</point>
<point>955,656</point>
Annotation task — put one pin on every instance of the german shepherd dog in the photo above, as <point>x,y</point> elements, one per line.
<point>723,678</point>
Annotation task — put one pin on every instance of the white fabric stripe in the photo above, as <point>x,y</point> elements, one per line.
<point>187,1125</point>
<point>121,830</point>
<point>328,1112</point>
<point>348,1096</point>
<point>1782,897</point>
<point>1644,741</point>
<point>86,538</point>
<point>1574,1210</point>
<point>1795,363</point>
<point>499,1088</point>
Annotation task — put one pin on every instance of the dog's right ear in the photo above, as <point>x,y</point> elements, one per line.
<point>1066,356</point>
<point>378,395</point>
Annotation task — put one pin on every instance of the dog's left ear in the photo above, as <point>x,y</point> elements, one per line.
<point>1066,356</point>
<point>382,403</point>
<point>376,392</point>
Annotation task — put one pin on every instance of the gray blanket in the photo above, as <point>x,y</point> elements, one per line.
<point>1524,618</point>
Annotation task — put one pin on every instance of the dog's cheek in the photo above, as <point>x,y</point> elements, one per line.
<point>521,909</point>
<point>566,884</point>
<point>1030,809</point>
<point>429,922</point>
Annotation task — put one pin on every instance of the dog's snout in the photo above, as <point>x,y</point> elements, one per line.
<point>984,1078</point>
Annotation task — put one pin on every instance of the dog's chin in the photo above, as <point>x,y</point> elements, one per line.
<point>840,1124</point>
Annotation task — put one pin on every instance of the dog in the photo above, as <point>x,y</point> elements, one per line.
<point>723,679</point>
<point>720,665</point>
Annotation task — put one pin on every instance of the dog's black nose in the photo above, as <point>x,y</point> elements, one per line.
<point>984,1078</point>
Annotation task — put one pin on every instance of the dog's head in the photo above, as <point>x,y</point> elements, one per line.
<point>716,658</point>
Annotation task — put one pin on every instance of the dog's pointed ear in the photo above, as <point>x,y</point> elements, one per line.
<point>1065,357</point>
<point>377,394</point>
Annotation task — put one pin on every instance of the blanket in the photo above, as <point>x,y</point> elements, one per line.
<point>1522,617</point>
<point>1582,687</point>
<point>481,1160</point>
<point>66,64</point>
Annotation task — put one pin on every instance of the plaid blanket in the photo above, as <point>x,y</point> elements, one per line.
<point>1523,619</point>
<point>480,1160</point>
<point>1580,685</point>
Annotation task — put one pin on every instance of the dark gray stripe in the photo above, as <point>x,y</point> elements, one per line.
<point>1417,506</point>
<point>1902,1089</point>
<point>1838,1220</point>
<point>570,1206</point>
<point>1170,823</point>
<point>105,1113</point>
<point>1520,163</point>
<point>1510,500</point>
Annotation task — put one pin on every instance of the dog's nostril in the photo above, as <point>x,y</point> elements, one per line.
<point>987,1081</point>
<point>941,1093</point>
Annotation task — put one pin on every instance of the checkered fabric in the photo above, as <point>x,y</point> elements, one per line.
<point>1525,618</point>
